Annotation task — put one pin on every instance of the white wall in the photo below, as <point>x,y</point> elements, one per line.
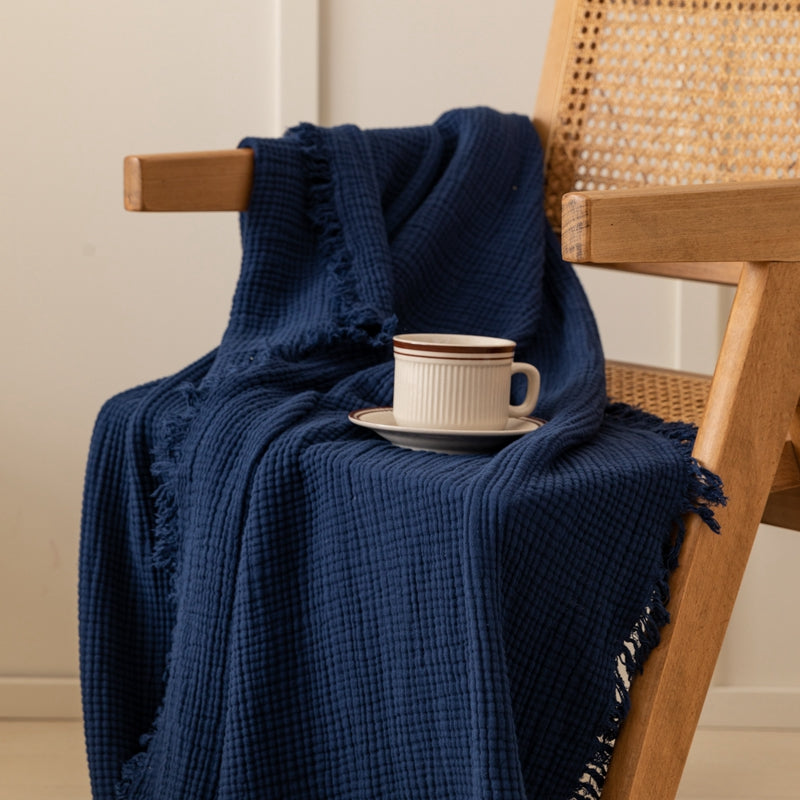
<point>389,62</point>
<point>95,300</point>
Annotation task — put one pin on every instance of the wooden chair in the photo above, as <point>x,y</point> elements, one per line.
<point>672,136</point>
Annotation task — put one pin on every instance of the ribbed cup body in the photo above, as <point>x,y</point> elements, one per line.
<point>455,395</point>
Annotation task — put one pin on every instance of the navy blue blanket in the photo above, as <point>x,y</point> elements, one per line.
<point>275,603</point>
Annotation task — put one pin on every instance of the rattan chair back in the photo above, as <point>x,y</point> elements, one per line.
<point>669,92</point>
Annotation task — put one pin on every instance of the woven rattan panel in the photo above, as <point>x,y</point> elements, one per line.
<point>666,92</point>
<point>670,395</point>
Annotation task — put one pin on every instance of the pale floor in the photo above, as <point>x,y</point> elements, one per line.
<point>45,761</point>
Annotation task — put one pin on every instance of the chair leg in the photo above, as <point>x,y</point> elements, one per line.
<point>783,505</point>
<point>740,439</point>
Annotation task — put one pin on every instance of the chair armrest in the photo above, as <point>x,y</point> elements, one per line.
<point>215,180</point>
<point>758,221</point>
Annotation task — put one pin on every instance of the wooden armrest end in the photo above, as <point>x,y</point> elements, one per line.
<point>758,221</point>
<point>217,180</point>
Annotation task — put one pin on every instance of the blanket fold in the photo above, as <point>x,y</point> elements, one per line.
<point>276,603</point>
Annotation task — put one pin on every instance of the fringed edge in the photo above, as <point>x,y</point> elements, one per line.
<point>132,771</point>
<point>167,452</point>
<point>167,455</point>
<point>356,321</point>
<point>703,492</point>
<point>643,639</point>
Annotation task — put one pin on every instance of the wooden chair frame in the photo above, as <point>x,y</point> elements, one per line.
<point>747,234</point>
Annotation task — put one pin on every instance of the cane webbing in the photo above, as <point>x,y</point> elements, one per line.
<point>671,395</point>
<point>666,92</point>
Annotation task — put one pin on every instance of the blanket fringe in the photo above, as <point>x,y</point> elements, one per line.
<point>132,771</point>
<point>166,459</point>
<point>356,321</point>
<point>167,451</point>
<point>704,492</point>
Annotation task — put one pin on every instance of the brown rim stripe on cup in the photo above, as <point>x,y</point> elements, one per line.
<point>456,350</point>
<point>475,356</point>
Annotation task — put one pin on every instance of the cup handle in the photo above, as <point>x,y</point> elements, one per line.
<point>532,395</point>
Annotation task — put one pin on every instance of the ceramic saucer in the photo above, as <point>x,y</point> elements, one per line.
<point>381,420</point>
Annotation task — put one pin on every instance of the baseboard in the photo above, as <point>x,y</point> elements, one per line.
<point>40,698</point>
<point>775,708</point>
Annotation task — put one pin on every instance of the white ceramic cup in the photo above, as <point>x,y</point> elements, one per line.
<point>458,382</point>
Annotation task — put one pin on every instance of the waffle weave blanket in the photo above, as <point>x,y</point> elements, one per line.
<point>275,603</point>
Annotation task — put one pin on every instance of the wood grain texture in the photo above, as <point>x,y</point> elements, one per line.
<point>758,221</point>
<point>202,181</point>
<point>725,273</point>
